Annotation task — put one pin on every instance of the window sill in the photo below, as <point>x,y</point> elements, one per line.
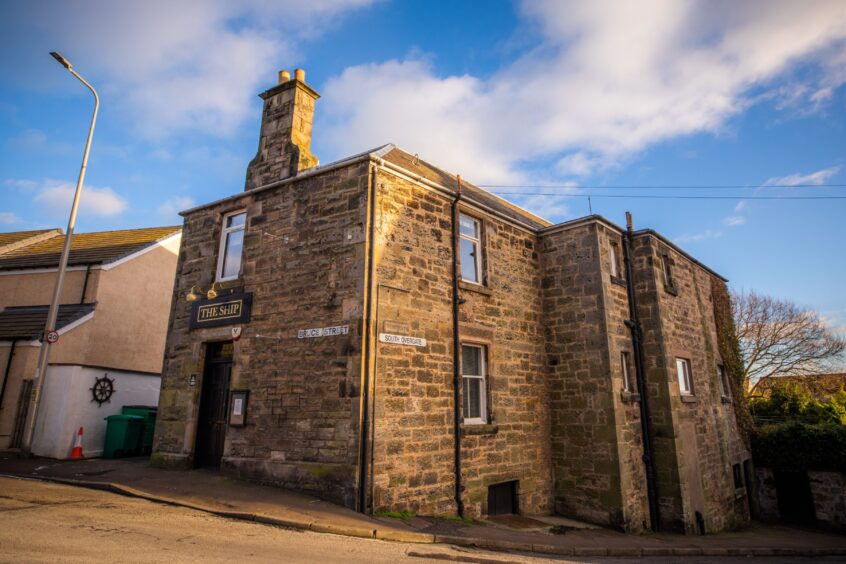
<point>618,281</point>
<point>671,290</point>
<point>629,396</point>
<point>688,398</point>
<point>725,399</point>
<point>473,287</point>
<point>479,429</point>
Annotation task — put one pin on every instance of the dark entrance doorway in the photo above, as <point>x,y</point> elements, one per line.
<point>214,396</point>
<point>795,502</point>
<point>502,499</point>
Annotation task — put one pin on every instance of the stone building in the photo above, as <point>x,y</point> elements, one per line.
<point>380,333</point>
<point>111,323</point>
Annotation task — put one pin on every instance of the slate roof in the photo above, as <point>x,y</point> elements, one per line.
<point>27,322</point>
<point>87,248</point>
<point>430,172</point>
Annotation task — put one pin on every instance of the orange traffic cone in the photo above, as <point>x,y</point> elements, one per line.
<point>76,453</point>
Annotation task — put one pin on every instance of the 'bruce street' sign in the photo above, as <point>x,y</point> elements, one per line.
<point>224,310</point>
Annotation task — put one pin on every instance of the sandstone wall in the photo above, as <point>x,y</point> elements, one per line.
<point>413,437</point>
<point>303,261</point>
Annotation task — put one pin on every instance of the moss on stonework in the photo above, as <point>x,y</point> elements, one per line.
<point>316,470</point>
<point>405,515</point>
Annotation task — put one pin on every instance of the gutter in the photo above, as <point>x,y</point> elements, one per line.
<point>456,350</point>
<point>633,323</point>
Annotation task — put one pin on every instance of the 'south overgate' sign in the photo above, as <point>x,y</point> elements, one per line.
<point>224,310</point>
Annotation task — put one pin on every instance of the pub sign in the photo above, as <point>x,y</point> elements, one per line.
<point>231,309</point>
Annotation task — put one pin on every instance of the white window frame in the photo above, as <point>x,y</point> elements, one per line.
<point>722,376</point>
<point>615,265</point>
<point>624,366</point>
<point>483,394</point>
<point>476,242</point>
<point>685,376</point>
<point>221,249</point>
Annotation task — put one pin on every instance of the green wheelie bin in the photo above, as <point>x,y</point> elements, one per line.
<point>148,412</point>
<point>124,435</point>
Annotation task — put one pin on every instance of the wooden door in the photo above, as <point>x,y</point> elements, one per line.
<point>214,402</point>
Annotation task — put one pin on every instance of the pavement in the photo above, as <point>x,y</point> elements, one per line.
<point>227,497</point>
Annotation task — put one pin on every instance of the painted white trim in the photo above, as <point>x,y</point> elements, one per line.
<point>138,253</point>
<point>62,331</point>
<point>71,326</point>
<point>44,270</point>
<point>103,266</point>
<point>221,246</point>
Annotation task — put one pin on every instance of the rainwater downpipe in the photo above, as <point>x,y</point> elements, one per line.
<point>364,438</point>
<point>85,284</point>
<point>640,374</point>
<point>456,350</point>
<point>6,372</point>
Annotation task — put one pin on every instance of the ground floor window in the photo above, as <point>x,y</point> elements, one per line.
<point>473,375</point>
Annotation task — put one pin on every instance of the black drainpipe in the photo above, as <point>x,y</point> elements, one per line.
<point>456,354</point>
<point>364,437</point>
<point>85,284</point>
<point>637,342</point>
<point>6,372</point>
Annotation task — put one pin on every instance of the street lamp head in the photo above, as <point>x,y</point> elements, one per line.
<point>64,62</point>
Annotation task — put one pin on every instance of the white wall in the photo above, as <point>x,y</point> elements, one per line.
<point>66,405</point>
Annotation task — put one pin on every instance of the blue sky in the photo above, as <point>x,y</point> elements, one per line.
<point>554,95</point>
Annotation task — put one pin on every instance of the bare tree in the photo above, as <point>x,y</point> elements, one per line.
<point>777,337</point>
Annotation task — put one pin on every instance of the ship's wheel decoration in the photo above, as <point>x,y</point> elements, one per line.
<point>103,389</point>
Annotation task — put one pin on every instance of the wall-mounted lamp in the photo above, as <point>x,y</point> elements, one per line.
<point>212,293</point>
<point>192,295</point>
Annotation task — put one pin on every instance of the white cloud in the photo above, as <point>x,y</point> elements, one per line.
<point>175,65</point>
<point>172,206</point>
<point>734,220</point>
<point>21,184</point>
<point>707,234</point>
<point>798,179</point>
<point>740,206</point>
<point>56,198</point>
<point>604,81</point>
<point>8,218</point>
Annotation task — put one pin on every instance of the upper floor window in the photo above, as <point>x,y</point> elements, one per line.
<point>667,270</point>
<point>685,379</point>
<point>473,372</point>
<point>231,246</point>
<point>628,386</point>
<point>615,261</point>
<point>471,249</point>
<point>722,377</point>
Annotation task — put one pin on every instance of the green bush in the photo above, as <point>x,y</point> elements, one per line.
<point>789,402</point>
<point>800,446</point>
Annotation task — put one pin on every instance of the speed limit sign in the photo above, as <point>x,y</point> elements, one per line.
<point>52,337</point>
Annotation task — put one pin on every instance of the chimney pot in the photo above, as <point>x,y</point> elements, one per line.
<point>299,74</point>
<point>284,76</point>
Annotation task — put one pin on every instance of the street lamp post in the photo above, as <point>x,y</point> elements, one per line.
<point>50,326</point>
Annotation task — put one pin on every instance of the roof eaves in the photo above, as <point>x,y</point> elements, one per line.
<point>175,230</point>
<point>372,154</point>
<point>652,232</point>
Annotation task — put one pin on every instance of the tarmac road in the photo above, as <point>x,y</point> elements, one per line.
<point>44,522</point>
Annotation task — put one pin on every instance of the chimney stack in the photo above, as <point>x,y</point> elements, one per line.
<point>285,135</point>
